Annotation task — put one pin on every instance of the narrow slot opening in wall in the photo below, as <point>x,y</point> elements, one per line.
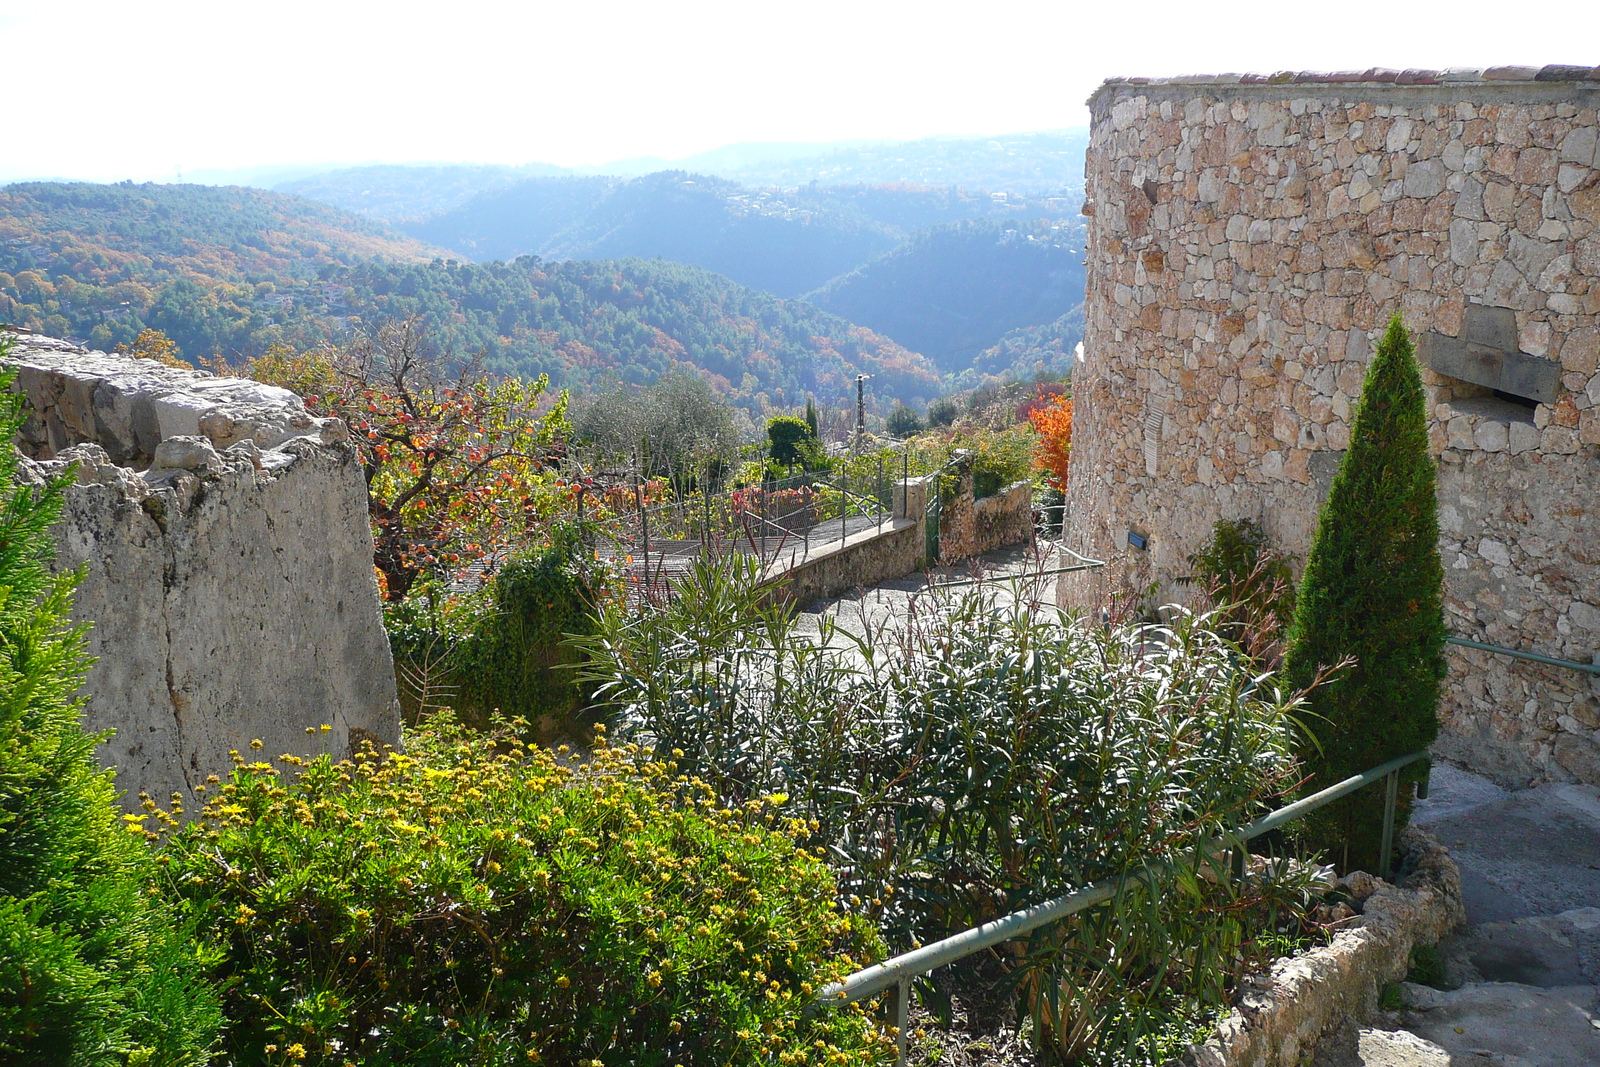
<point>1525,402</point>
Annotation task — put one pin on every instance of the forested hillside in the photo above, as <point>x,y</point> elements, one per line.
<point>784,242</point>
<point>1030,351</point>
<point>953,291</point>
<point>581,320</point>
<point>208,265</point>
<point>231,271</point>
<point>667,269</point>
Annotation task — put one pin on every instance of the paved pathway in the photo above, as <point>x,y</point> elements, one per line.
<point>1526,970</point>
<point>888,604</point>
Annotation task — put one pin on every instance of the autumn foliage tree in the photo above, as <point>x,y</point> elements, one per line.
<point>157,346</point>
<point>1053,454</point>
<point>458,461</point>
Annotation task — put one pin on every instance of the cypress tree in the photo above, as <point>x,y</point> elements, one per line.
<point>94,967</point>
<point>1372,593</point>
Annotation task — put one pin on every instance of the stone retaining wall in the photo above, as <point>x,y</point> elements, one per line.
<point>969,527</point>
<point>1280,1018</point>
<point>1249,238</point>
<point>864,559</point>
<point>228,561</point>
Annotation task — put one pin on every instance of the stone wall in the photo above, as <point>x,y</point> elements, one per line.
<point>970,527</point>
<point>863,559</point>
<point>1249,238</point>
<point>1281,1016</point>
<point>228,565</point>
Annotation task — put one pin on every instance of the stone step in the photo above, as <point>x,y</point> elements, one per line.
<point>1387,1048</point>
<point>1508,1024</point>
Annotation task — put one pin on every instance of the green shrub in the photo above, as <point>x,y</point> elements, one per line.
<point>999,458</point>
<point>902,421</point>
<point>93,968</point>
<point>980,757</point>
<point>502,650</point>
<point>785,435</point>
<point>476,902</point>
<point>943,412</point>
<point>1251,586</point>
<point>1372,593</point>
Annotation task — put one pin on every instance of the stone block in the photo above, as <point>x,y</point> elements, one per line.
<point>1509,371</point>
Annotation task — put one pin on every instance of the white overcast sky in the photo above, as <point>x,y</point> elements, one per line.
<point>112,89</point>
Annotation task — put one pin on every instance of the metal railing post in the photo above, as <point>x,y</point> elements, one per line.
<point>902,1018</point>
<point>882,508</point>
<point>1391,789</point>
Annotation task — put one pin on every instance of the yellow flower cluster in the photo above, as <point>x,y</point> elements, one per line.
<point>566,904</point>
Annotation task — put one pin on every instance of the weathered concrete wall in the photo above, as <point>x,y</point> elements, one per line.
<point>1248,240</point>
<point>230,588</point>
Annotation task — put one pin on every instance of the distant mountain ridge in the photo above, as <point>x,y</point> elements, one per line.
<point>1035,164</point>
<point>784,242</point>
<point>953,291</point>
<point>408,192</point>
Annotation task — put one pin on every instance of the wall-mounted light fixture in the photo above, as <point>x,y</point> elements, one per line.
<point>1138,540</point>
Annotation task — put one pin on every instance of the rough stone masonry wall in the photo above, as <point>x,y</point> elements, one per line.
<point>1249,238</point>
<point>970,527</point>
<point>228,565</point>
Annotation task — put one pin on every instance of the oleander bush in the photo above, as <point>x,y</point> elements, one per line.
<point>983,754</point>
<point>95,967</point>
<point>475,901</point>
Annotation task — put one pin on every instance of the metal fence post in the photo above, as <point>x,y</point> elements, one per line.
<point>1391,789</point>
<point>882,505</point>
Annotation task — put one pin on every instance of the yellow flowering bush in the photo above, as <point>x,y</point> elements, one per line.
<point>475,901</point>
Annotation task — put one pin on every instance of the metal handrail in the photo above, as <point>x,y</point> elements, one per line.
<point>1571,665</point>
<point>898,971</point>
<point>1084,564</point>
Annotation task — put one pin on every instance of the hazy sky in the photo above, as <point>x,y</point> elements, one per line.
<point>109,89</point>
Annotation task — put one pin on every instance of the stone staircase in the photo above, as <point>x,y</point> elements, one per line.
<point>1522,980</point>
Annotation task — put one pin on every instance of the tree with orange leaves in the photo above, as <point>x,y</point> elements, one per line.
<point>457,461</point>
<point>1053,454</point>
